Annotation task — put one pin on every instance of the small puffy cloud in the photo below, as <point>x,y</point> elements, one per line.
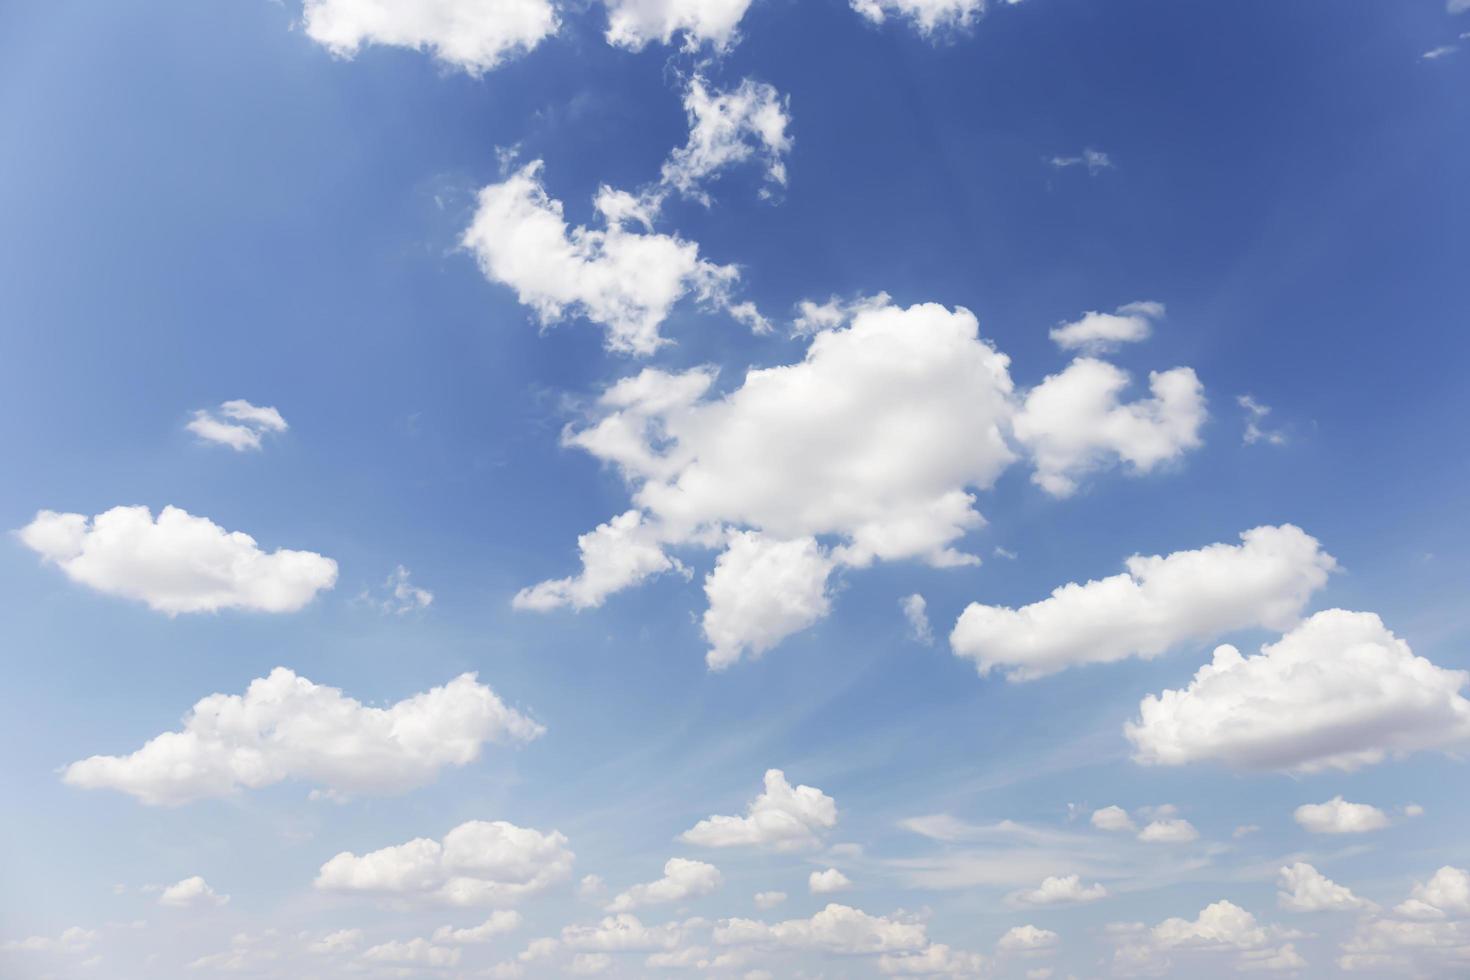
<point>683,879</point>
<point>1255,422</point>
<point>1097,332</point>
<point>1302,888</point>
<point>190,893</point>
<point>177,564</point>
<point>781,818</point>
<point>838,929</point>
<point>399,595</point>
<point>1027,938</point>
<point>760,592</point>
<point>341,941</point>
<point>1169,831</point>
<point>1096,161</point>
<point>1445,895</point>
<point>930,18</point>
<point>241,427</point>
<point>472,35</point>
<point>827,882</point>
<point>1065,890</point>
<point>1114,819</point>
<point>1160,603</point>
<point>934,960</point>
<point>624,279</point>
<point>478,863</point>
<point>616,555</point>
<point>727,128</point>
<point>915,610</point>
<point>1338,692</point>
<point>632,24</point>
<point>1337,816</point>
<point>769,900</point>
<point>501,921</point>
<point>1073,423</point>
<point>419,952</point>
<point>286,727</point>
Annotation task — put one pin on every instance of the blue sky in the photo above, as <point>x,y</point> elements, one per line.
<point>206,203</point>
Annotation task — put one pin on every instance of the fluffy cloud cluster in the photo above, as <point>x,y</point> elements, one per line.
<point>74,940</point>
<point>934,960</point>
<point>827,882</point>
<point>617,276</point>
<point>1161,602</point>
<point>1302,888</point>
<point>1060,890</point>
<point>683,879</point>
<point>633,24</point>
<point>1426,935</point>
<point>1074,422</point>
<point>1445,895</point>
<point>478,863</point>
<point>760,592</point>
<point>836,929</point>
<point>781,818</point>
<point>1097,332</point>
<point>286,727</point>
<point>419,952</point>
<point>1026,939</point>
<point>242,426</point>
<point>177,564</point>
<point>1337,816</point>
<point>191,892</point>
<point>1221,928</point>
<point>1338,692</point>
<point>615,555</point>
<point>929,17</point>
<point>472,35</point>
<point>728,128</point>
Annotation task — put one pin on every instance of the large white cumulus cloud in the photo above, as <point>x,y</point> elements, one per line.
<point>1338,692</point>
<point>781,818</point>
<point>1161,602</point>
<point>178,563</point>
<point>286,727</point>
<point>634,23</point>
<point>472,35</point>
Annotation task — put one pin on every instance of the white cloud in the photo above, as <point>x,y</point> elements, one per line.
<point>622,933</point>
<point>341,941</point>
<point>478,863</point>
<point>1169,831</point>
<point>1443,51</point>
<point>286,727</point>
<point>760,592</point>
<point>1255,420</point>
<point>402,596</point>
<point>177,564</point>
<point>727,128</point>
<point>781,818</point>
<point>1446,895</point>
<point>1337,816</point>
<point>1027,938</point>
<point>1096,161</point>
<point>769,900</point>
<point>588,964</point>
<point>1160,603</point>
<point>935,960</point>
<point>813,317</point>
<point>1073,422</point>
<point>633,24</point>
<point>683,879</point>
<point>837,929</point>
<point>616,555</point>
<point>501,921</point>
<point>1305,889</point>
<point>1113,818</point>
<point>1222,925</point>
<point>1338,692</point>
<point>827,882</point>
<point>415,951</point>
<point>915,610</point>
<point>472,35</point>
<point>191,892</point>
<point>929,17</point>
<point>75,940</point>
<point>626,280</point>
<point>1064,890</point>
<point>248,423</point>
<point>1097,332</point>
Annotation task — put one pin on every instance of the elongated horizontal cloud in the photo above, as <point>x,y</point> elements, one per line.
<point>1097,332</point>
<point>727,128</point>
<point>633,24</point>
<point>177,564</point>
<point>626,280</point>
<point>1074,423</point>
<point>934,960</point>
<point>1159,604</point>
<point>1338,692</point>
<point>241,427</point>
<point>683,879</point>
<point>781,818</point>
<point>928,17</point>
<point>1302,888</point>
<point>478,863</point>
<point>472,35</point>
<point>286,727</point>
<point>836,929</point>
<point>1337,816</point>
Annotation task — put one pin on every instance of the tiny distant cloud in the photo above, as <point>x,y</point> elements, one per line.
<point>1255,418</point>
<point>915,610</point>
<point>398,595</point>
<point>237,424</point>
<point>1443,51</point>
<point>1096,161</point>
